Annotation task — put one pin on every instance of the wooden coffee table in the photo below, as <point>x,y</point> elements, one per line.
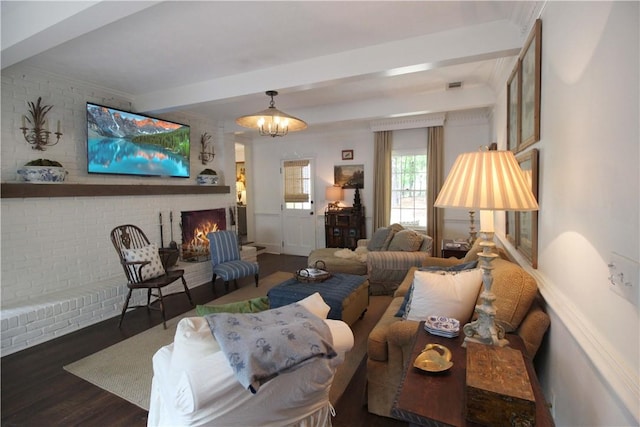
<point>425,399</point>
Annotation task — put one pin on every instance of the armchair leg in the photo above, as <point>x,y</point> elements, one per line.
<point>124,308</point>
<point>148,299</point>
<point>213,284</point>
<point>256,277</point>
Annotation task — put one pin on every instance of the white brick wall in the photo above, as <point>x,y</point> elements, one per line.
<point>59,269</point>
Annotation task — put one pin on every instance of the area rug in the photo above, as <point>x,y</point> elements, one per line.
<point>125,369</point>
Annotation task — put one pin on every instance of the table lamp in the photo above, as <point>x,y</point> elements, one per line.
<point>334,194</point>
<point>486,180</point>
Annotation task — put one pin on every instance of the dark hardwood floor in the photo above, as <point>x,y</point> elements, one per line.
<point>36,391</point>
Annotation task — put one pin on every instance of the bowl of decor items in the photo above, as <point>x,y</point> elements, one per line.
<point>42,171</point>
<point>207,177</point>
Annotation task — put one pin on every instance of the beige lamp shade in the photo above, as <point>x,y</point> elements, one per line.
<point>487,180</point>
<point>334,193</point>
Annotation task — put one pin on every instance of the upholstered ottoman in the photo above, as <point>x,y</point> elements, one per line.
<point>335,264</point>
<point>346,294</point>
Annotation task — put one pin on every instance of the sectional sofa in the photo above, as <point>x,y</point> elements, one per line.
<point>389,344</point>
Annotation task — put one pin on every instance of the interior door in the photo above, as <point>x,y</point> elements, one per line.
<point>298,213</point>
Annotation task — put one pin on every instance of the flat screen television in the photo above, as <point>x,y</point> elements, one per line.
<point>124,143</point>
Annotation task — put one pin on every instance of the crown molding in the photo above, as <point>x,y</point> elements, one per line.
<point>409,122</point>
<point>467,117</point>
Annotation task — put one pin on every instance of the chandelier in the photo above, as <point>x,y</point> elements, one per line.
<point>272,122</point>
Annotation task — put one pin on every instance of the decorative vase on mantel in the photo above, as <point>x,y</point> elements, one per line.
<point>207,177</point>
<point>42,171</point>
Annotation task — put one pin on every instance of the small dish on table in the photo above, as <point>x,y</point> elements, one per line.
<point>434,358</point>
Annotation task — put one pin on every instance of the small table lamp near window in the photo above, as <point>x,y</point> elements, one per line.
<point>486,180</point>
<point>334,194</point>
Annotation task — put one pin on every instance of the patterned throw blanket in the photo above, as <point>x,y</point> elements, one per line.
<point>260,346</point>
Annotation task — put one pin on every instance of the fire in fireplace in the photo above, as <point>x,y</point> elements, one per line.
<point>195,227</point>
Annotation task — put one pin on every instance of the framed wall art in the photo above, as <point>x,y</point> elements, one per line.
<point>347,154</point>
<point>348,176</point>
<point>530,88</point>
<point>526,223</point>
<point>513,109</point>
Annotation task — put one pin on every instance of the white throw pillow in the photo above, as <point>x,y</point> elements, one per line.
<point>315,304</point>
<point>450,294</point>
<point>147,253</point>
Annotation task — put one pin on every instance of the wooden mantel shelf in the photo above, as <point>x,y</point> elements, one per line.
<point>23,190</point>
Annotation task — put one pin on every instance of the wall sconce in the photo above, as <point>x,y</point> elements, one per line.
<point>206,156</point>
<point>38,135</point>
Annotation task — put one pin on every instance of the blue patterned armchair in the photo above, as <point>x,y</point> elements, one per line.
<point>226,261</point>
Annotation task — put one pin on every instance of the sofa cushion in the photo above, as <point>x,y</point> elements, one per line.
<point>394,228</point>
<point>315,304</point>
<point>458,267</point>
<point>193,341</point>
<point>378,239</point>
<point>450,294</point>
<point>405,240</point>
<point>335,264</point>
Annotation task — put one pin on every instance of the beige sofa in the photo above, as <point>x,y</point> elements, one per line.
<point>389,343</point>
<point>385,258</point>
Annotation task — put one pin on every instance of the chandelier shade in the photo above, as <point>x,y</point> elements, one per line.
<point>271,121</point>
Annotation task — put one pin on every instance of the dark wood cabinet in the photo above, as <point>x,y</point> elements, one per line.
<point>344,227</point>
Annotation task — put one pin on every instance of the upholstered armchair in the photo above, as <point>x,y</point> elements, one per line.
<point>226,260</point>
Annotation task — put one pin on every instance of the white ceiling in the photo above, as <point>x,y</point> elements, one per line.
<point>331,61</point>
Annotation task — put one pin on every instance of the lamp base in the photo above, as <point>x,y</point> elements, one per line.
<point>484,329</point>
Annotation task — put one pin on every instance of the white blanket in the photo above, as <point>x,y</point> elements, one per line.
<point>359,254</point>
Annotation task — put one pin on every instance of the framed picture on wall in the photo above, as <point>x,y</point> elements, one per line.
<point>348,176</point>
<point>526,223</point>
<point>347,154</point>
<point>513,109</point>
<point>530,88</point>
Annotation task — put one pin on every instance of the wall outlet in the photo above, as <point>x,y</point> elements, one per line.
<point>624,277</point>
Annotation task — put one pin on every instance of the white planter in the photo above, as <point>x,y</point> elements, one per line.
<point>207,179</point>
<point>42,173</point>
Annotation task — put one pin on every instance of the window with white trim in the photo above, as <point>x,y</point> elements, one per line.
<point>297,184</point>
<point>409,188</point>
